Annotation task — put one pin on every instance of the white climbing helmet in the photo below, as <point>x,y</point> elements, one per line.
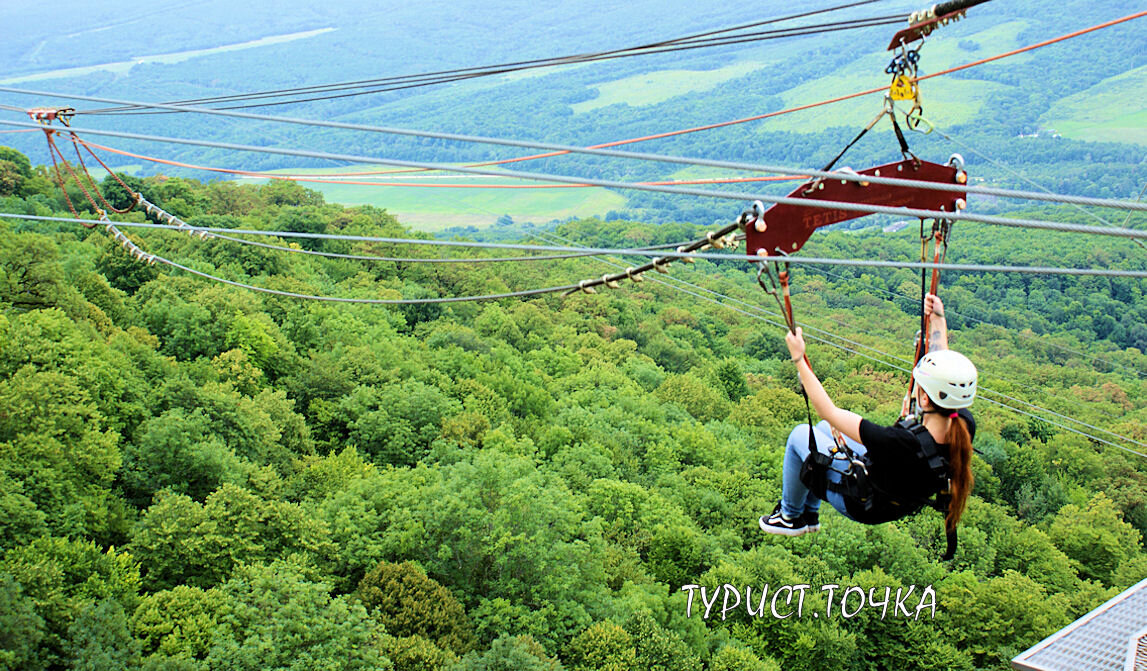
<point>949,379</point>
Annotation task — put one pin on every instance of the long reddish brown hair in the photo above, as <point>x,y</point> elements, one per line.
<point>960,468</point>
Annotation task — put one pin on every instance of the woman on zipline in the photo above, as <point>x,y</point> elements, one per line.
<point>883,473</point>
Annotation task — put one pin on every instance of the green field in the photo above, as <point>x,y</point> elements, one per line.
<point>946,100</point>
<point>1113,110</point>
<point>657,87</point>
<point>434,209</point>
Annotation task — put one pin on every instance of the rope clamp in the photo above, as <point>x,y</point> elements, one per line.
<point>715,242</point>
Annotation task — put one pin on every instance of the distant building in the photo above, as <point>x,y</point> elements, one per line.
<point>1112,637</point>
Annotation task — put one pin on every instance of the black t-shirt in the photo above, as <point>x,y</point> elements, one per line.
<point>896,471</point>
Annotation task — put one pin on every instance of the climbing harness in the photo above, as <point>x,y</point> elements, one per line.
<point>783,229</point>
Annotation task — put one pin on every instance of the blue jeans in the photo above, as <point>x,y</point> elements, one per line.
<point>795,497</point>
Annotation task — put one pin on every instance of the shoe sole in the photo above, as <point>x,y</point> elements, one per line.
<point>780,531</point>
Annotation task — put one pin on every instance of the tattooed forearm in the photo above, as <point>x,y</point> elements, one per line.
<point>936,342</point>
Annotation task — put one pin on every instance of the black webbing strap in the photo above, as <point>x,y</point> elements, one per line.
<point>950,551</point>
<point>901,139</point>
<point>856,139</point>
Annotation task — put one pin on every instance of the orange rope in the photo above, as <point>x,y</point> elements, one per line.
<point>92,181</point>
<point>294,178</point>
<point>658,136</point>
<point>1030,47</point>
<point>76,178</point>
<point>52,151</point>
<point>799,108</point>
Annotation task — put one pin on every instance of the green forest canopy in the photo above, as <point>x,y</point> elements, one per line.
<point>195,476</point>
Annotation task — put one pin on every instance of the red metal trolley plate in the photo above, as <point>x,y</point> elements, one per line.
<point>788,227</point>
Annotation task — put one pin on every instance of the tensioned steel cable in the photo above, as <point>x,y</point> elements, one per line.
<point>432,81</point>
<point>516,294</point>
<point>461,73</point>
<point>214,233</point>
<point>401,259</point>
<point>862,345</point>
<point>1015,173</point>
<point>138,253</point>
<point>901,368</point>
<point>908,370</point>
<point>709,256</point>
<point>757,308</point>
<point>725,195</point>
<point>370,301</point>
<point>611,153</point>
<point>913,300</point>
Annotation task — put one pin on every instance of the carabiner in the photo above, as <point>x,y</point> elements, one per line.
<point>914,118</point>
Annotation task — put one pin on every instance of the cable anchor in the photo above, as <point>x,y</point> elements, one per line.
<point>46,115</point>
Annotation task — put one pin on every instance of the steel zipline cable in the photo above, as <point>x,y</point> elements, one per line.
<point>433,81</point>
<point>551,236</point>
<point>767,115</point>
<point>648,252</point>
<point>532,292</point>
<point>891,364</point>
<point>611,153</point>
<point>914,300</point>
<point>712,38</point>
<point>725,195</point>
<point>370,301</point>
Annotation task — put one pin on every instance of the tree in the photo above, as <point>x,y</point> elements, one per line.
<point>15,171</point>
<point>731,379</point>
<point>122,270</point>
<point>119,197</point>
<point>510,653</point>
<point>286,192</point>
<point>100,639</point>
<point>408,603</point>
<point>414,653</point>
<point>30,277</point>
<point>490,524</point>
<point>178,623</point>
<point>319,478</point>
<point>279,618</point>
<point>694,396</point>
<point>61,577</point>
<point>996,619</point>
<point>21,628</point>
<point>733,658</point>
<point>11,179</point>
<point>603,646</point>
<point>180,451</point>
<point>1097,538</point>
<point>657,648</point>
<point>397,423</point>
<point>180,541</point>
<point>56,453</point>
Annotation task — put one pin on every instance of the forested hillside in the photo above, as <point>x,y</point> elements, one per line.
<point>1068,115</point>
<point>197,476</point>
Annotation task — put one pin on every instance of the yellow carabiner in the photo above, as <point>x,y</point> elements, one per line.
<point>903,88</point>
